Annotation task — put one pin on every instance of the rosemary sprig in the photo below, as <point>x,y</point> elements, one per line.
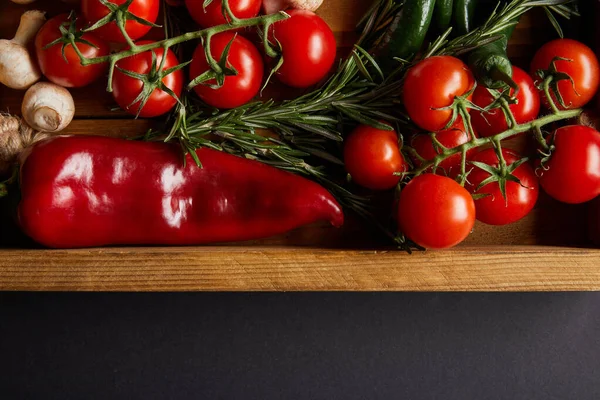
<point>294,153</point>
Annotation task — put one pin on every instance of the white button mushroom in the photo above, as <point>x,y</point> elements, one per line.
<point>48,107</point>
<point>273,6</point>
<point>18,70</point>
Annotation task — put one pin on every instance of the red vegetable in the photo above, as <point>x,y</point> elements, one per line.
<point>449,138</point>
<point>572,175</point>
<point>580,63</point>
<point>237,89</point>
<point>372,156</point>
<point>212,14</point>
<point>94,10</point>
<point>525,109</point>
<point>93,191</point>
<point>430,88</point>
<point>64,68</point>
<point>126,88</point>
<point>308,47</point>
<point>494,209</point>
<point>435,212</point>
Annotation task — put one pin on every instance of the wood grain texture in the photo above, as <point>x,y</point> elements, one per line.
<point>300,269</point>
<point>126,128</point>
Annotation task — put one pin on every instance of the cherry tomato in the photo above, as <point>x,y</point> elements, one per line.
<point>435,212</point>
<point>494,209</point>
<point>308,48</point>
<point>449,138</point>
<point>94,10</point>
<point>69,72</point>
<point>126,89</point>
<point>583,69</point>
<point>237,89</point>
<point>212,14</point>
<point>572,175</point>
<point>494,121</point>
<point>433,84</point>
<point>372,156</point>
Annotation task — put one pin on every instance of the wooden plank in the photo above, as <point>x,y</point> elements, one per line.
<point>300,269</point>
<point>126,128</point>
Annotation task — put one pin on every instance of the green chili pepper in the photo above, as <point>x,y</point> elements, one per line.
<point>490,63</point>
<point>464,16</point>
<point>410,29</point>
<point>442,15</point>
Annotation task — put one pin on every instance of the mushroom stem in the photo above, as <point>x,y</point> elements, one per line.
<point>31,22</point>
<point>18,70</point>
<point>48,107</point>
<point>23,1</point>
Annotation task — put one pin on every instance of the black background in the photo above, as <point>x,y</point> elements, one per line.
<point>300,346</point>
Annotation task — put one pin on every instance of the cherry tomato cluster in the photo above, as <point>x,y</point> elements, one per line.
<point>147,84</point>
<point>438,207</point>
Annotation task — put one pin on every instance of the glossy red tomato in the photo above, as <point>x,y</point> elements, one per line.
<point>126,89</point>
<point>94,10</point>
<point>308,48</point>
<point>526,109</point>
<point>69,72</point>
<point>583,69</point>
<point>212,15</point>
<point>372,156</point>
<point>573,171</point>
<point>432,84</point>
<point>435,212</point>
<point>494,209</point>
<point>449,138</point>
<point>237,89</point>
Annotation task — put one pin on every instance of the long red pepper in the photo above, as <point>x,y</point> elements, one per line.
<point>93,191</point>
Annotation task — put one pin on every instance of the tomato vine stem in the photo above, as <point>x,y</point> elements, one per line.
<point>479,142</point>
<point>203,34</point>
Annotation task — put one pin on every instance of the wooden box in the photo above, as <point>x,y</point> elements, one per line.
<point>549,250</point>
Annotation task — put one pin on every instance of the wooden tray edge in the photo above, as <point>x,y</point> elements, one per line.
<point>273,269</point>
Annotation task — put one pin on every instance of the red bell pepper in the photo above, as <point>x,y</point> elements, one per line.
<point>92,191</point>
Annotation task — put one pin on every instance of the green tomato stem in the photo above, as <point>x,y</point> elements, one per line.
<point>501,161</point>
<point>243,23</point>
<point>546,86</point>
<point>463,112</point>
<point>479,142</point>
<point>463,167</point>
<point>513,130</point>
<point>227,11</point>
<point>205,34</point>
<point>214,65</point>
<point>510,117</point>
<point>121,24</point>
<point>539,136</point>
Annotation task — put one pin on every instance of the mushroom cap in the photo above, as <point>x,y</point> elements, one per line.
<point>273,6</point>
<point>48,107</point>
<point>17,68</point>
